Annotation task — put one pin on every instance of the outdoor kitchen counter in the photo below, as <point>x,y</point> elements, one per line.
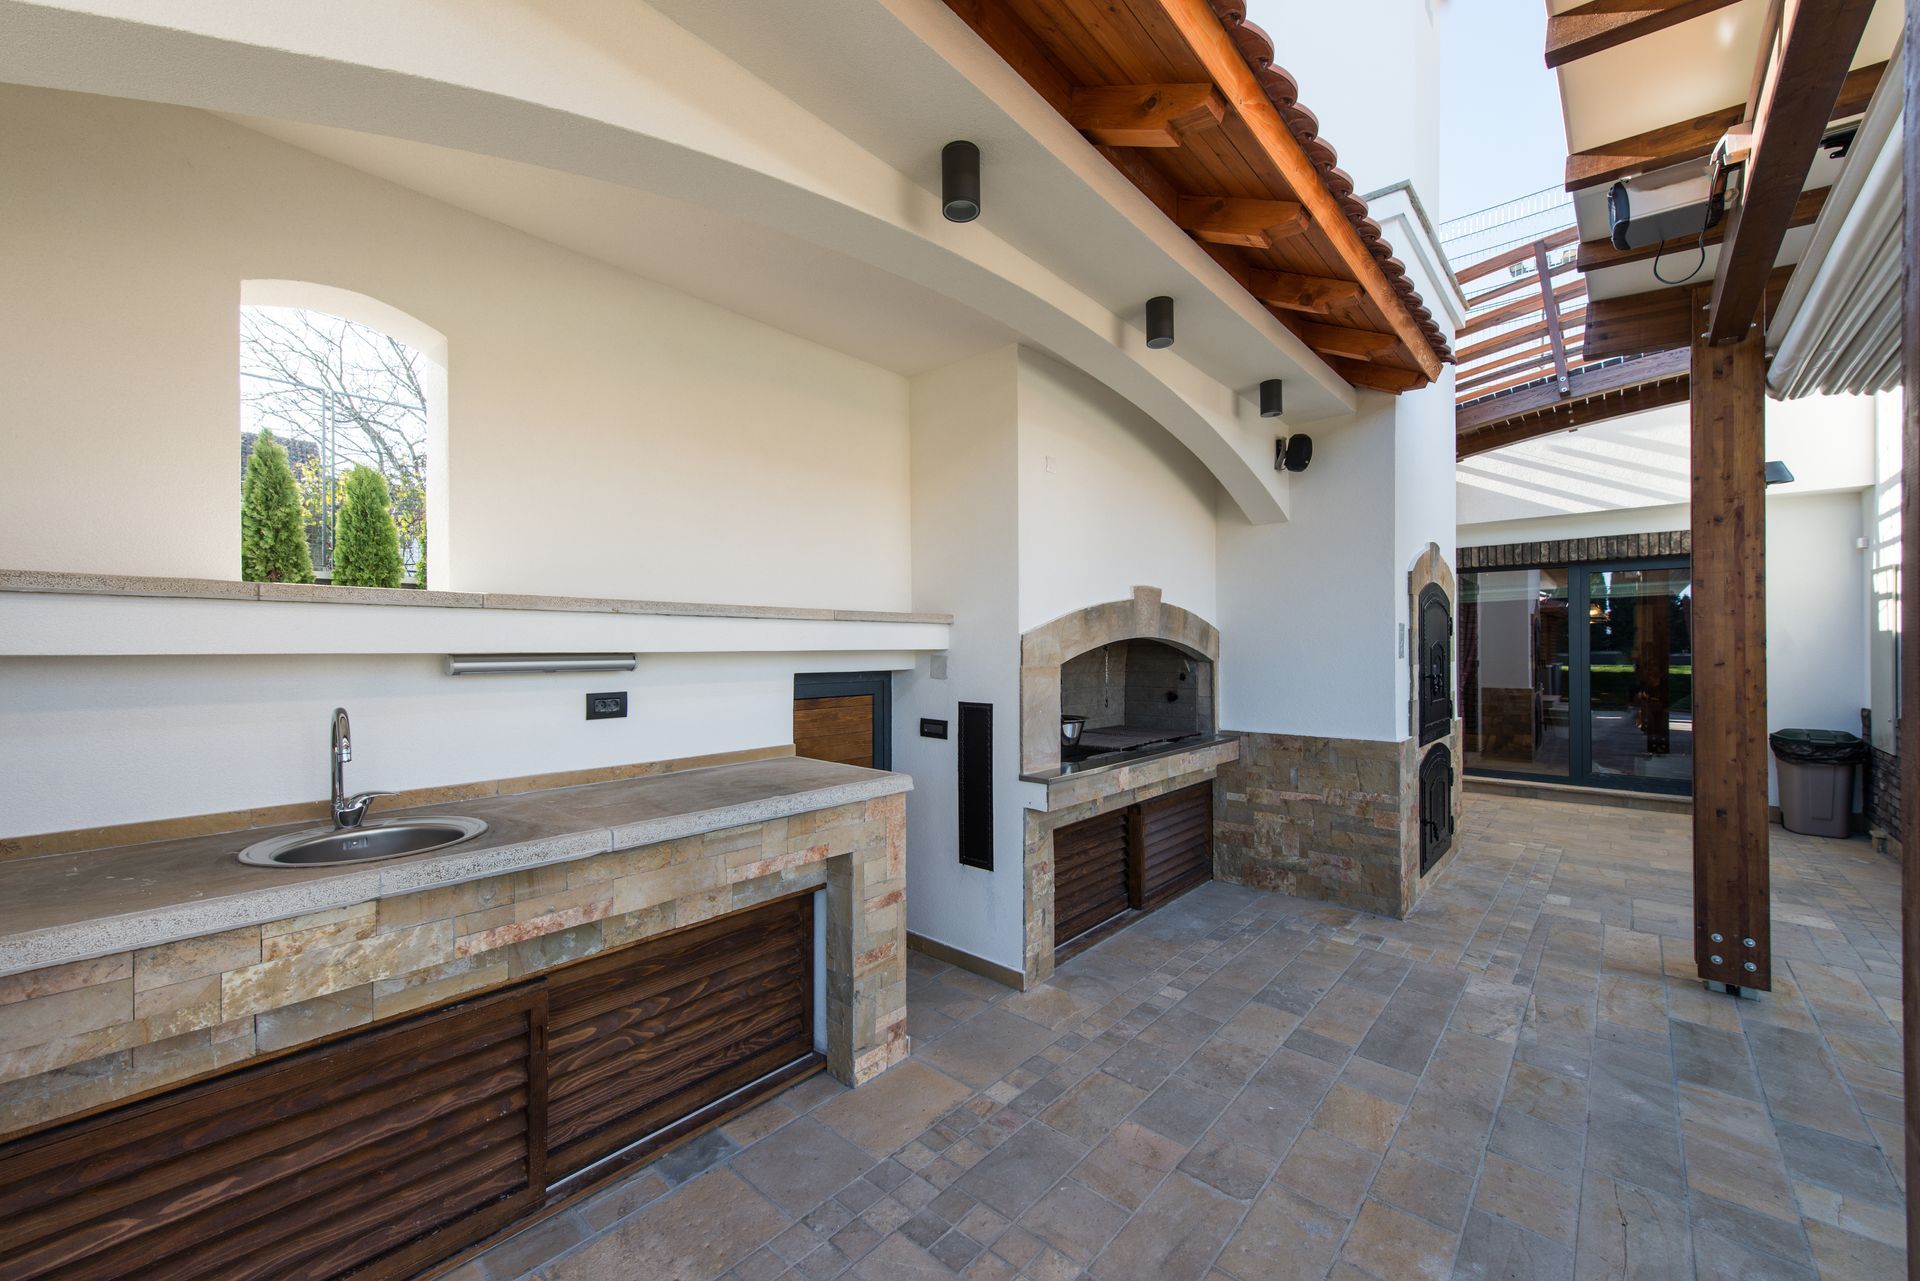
<point>70,907</point>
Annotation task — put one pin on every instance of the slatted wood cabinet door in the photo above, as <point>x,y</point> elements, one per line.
<point>647,1037</point>
<point>1090,885</point>
<point>372,1156</point>
<point>1173,843</point>
<point>1133,859</point>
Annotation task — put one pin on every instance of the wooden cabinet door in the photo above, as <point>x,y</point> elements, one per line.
<point>1174,843</point>
<point>839,729</point>
<point>1089,874</point>
<point>640,1040</point>
<point>374,1155</point>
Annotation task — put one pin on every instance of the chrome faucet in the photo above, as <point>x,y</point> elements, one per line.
<point>347,810</point>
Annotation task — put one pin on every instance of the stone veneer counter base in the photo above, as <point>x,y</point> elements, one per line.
<point>62,908</point>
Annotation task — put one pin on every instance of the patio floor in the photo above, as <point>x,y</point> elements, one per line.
<point>1520,1081</point>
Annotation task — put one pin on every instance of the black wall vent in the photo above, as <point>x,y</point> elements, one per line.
<point>1436,807</point>
<point>975,753</point>
<point>1433,678</point>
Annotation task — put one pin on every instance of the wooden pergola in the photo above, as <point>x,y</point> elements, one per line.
<point>1183,97</point>
<point>1808,69</point>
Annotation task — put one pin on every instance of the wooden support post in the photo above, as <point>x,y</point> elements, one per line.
<point>1550,310</point>
<point>1908,726</point>
<point>1730,815</point>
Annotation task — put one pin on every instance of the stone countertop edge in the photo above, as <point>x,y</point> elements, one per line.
<point>57,945</point>
<point>1056,776</point>
<point>49,582</point>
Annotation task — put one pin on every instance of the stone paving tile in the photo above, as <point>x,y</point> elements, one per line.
<point>1522,1080</point>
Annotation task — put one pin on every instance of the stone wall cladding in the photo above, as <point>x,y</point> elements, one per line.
<point>1325,818</point>
<point>1575,551</point>
<point>80,1036</point>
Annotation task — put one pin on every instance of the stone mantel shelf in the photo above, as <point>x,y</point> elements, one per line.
<point>46,613</point>
<point>73,907</point>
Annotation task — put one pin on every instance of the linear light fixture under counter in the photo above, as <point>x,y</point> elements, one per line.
<point>511,664</point>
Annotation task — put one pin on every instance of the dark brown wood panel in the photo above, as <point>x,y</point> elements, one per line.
<point>1175,843</point>
<point>1089,874</point>
<point>373,1155</point>
<point>1730,818</point>
<point>835,729</point>
<point>642,1037</point>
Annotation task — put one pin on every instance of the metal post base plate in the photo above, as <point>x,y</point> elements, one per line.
<point>1729,989</point>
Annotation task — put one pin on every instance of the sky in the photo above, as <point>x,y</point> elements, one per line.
<point>1500,129</point>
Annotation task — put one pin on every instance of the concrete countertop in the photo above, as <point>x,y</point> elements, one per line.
<point>70,907</point>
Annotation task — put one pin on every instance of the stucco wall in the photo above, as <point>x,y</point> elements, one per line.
<point>608,436</point>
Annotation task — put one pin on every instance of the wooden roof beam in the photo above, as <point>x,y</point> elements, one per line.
<point>1500,342</point>
<point>1571,416</point>
<point>1606,24</point>
<point>1217,51</point>
<point>1145,115</point>
<point>1590,380</point>
<point>1657,320</point>
<point>1293,292</point>
<point>1520,307</point>
<point>1340,340</point>
<point>1387,378</point>
<point>1250,224</point>
<point>1816,43</point>
<point>1696,138</point>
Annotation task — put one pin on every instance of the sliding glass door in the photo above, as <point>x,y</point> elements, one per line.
<point>1579,674</point>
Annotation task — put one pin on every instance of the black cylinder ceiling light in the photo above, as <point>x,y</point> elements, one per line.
<point>1271,402</point>
<point>1159,322</point>
<point>960,181</point>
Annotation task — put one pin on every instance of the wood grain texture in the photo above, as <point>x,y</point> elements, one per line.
<point>838,729</point>
<point>1144,115</point>
<point>1730,815</point>
<point>1600,25</point>
<point>1658,320</point>
<point>640,1037</point>
<point>1587,382</point>
<point>375,1154</point>
<point>1817,42</point>
<point>1176,844</point>
<point>1090,880</point>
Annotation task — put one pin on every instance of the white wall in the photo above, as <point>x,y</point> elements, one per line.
<point>1370,70</point>
<point>1309,609</point>
<point>1817,619</point>
<point>966,560</point>
<point>1640,461</point>
<point>608,436</point>
<point>1880,522</point>
<point>88,742</point>
<point>1108,501</point>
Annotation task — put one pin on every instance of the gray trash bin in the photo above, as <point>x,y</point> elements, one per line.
<point>1816,779</point>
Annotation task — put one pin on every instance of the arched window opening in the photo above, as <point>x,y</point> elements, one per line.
<point>340,395</point>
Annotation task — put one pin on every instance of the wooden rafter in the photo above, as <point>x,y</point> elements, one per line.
<point>1815,44</point>
<point>1486,267</point>
<point>1145,115</point>
<point>1251,224</point>
<point>1596,255</point>
<point>1528,281</point>
<point>1571,415</point>
<point>1514,337</point>
<point>1519,307</point>
<point>1694,139</point>
<point>1657,320</point>
<point>1293,292</point>
<point>1605,24</point>
<point>1338,340</point>
<point>1593,380</point>
<point>1209,41</point>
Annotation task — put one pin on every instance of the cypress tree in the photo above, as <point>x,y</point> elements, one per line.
<point>366,550</point>
<point>273,531</point>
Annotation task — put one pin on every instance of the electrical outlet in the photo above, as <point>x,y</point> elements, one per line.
<point>603,707</point>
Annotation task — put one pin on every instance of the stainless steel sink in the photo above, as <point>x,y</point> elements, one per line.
<point>381,838</point>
